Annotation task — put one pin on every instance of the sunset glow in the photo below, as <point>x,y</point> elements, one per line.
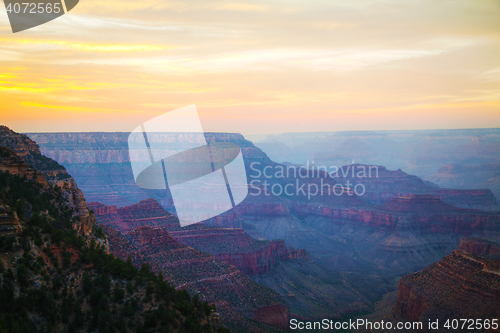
<point>256,66</point>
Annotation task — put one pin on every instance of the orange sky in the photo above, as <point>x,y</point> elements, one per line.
<point>256,66</point>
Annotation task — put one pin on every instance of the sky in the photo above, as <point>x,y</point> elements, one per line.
<point>256,66</point>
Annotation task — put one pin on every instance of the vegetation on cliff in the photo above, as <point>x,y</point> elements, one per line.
<point>56,278</point>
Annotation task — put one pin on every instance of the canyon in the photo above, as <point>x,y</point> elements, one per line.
<point>341,232</point>
<point>100,164</point>
<point>399,236</point>
<point>463,176</point>
<point>46,243</point>
<point>304,287</point>
<point>330,255</point>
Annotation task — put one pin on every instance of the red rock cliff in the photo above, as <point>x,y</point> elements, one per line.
<point>232,246</point>
<point>461,284</point>
<point>276,315</point>
<point>478,246</point>
<point>29,163</point>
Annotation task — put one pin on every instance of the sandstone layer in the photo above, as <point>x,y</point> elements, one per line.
<point>460,286</point>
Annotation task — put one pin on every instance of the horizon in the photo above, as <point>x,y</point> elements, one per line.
<point>282,133</point>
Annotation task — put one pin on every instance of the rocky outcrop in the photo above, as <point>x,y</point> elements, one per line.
<point>187,268</point>
<point>15,165</point>
<point>473,199</point>
<point>145,213</point>
<point>148,212</point>
<point>276,315</point>
<point>261,261</point>
<point>100,209</point>
<point>478,246</point>
<point>461,284</point>
<point>411,304</point>
<point>84,220</point>
<point>232,246</point>
<point>258,261</point>
<point>20,143</point>
<point>9,223</point>
<point>381,185</point>
<point>463,176</point>
<point>28,162</point>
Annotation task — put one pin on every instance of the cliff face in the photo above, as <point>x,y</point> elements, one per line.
<point>28,162</point>
<point>235,247</point>
<point>411,303</point>
<point>9,223</point>
<point>276,315</point>
<point>145,213</point>
<point>465,176</point>
<point>100,163</point>
<point>15,165</point>
<point>382,185</point>
<point>341,232</point>
<point>187,268</point>
<point>55,278</point>
<point>461,285</point>
<point>479,247</point>
<point>259,261</point>
<point>402,235</point>
<point>232,246</point>
<point>20,143</point>
<point>308,290</point>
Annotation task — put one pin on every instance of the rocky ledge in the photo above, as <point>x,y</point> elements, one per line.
<point>461,285</point>
<point>21,156</point>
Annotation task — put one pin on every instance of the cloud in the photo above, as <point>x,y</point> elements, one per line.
<point>247,61</point>
<point>491,75</point>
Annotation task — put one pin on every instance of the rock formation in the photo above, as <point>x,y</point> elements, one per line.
<point>308,290</point>
<point>466,176</point>
<point>187,268</point>
<point>479,247</point>
<point>381,185</point>
<point>461,285</point>
<point>30,163</point>
<point>9,223</point>
<point>276,315</point>
<point>147,212</point>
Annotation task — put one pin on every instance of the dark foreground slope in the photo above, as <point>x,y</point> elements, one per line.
<point>56,273</point>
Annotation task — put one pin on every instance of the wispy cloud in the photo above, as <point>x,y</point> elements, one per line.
<point>246,63</point>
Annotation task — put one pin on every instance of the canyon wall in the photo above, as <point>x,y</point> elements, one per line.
<point>30,163</point>
<point>232,246</point>
<point>461,285</point>
<point>479,247</point>
<point>187,268</point>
